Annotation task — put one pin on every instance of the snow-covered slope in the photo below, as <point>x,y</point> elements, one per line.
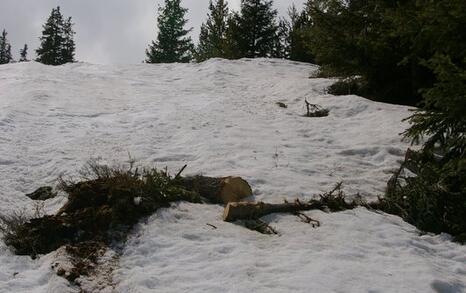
<point>221,118</point>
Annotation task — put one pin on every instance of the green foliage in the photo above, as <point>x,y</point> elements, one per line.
<point>172,44</point>
<point>23,53</point>
<point>234,40</point>
<point>258,27</point>
<point>354,39</point>
<point>254,31</point>
<point>435,198</point>
<point>102,206</point>
<point>57,41</point>
<point>5,49</point>
<point>387,43</point>
<point>349,86</point>
<point>407,52</point>
<point>282,46</point>
<point>442,117</point>
<point>335,200</point>
<point>212,39</point>
<point>298,37</point>
<point>68,46</point>
<point>11,227</point>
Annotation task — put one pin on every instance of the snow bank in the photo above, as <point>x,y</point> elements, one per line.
<point>220,118</point>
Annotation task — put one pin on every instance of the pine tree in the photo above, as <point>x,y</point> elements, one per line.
<point>282,45</point>
<point>68,46</point>
<point>49,51</point>
<point>298,37</point>
<point>258,25</point>
<point>212,39</point>
<point>57,44</point>
<point>172,44</point>
<point>234,42</point>
<point>5,49</point>
<point>23,53</point>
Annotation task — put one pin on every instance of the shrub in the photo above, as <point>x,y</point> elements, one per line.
<point>434,199</point>
<point>348,86</point>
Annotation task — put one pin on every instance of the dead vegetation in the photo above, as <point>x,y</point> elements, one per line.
<point>12,225</point>
<point>104,203</point>
<point>102,206</point>
<point>249,213</point>
<point>314,110</point>
<point>42,193</point>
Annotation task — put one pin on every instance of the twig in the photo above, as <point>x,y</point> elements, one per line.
<point>306,219</point>
<point>214,227</point>
<point>181,171</point>
<point>259,226</point>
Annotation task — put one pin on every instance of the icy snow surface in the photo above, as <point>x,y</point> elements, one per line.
<point>221,118</point>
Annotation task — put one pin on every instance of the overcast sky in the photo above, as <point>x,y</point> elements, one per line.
<point>107,31</point>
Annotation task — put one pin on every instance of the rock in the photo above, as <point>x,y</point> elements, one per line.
<point>42,193</point>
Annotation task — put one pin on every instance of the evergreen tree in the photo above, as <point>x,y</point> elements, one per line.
<point>355,38</point>
<point>68,46</point>
<point>408,51</point>
<point>435,32</point>
<point>172,44</point>
<point>23,53</point>
<point>282,45</point>
<point>57,44</point>
<point>212,39</point>
<point>298,37</point>
<point>258,27</point>
<point>50,50</point>
<point>234,41</point>
<point>5,49</point>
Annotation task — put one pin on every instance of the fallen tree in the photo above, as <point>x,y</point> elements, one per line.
<point>251,212</point>
<point>105,203</point>
<point>109,200</point>
<point>217,190</point>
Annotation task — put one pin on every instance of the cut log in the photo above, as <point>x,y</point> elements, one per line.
<point>254,210</point>
<point>218,190</point>
<point>234,189</point>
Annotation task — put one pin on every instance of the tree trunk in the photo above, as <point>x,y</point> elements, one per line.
<point>218,190</point>
<point>253,210</point>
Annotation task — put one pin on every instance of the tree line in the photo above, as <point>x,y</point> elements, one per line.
<point>254,31</point>
<point>409,52</point>
<point>57,44</point>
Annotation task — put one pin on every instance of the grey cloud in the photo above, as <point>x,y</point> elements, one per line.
<point>107,31</point>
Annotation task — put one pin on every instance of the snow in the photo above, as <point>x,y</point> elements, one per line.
<point>220,117</point>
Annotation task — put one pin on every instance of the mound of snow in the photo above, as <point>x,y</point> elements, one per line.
<point>221,118</point>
